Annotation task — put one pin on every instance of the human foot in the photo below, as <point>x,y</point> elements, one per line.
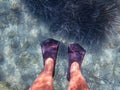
<point>49,50</point>
<point>75,54</point>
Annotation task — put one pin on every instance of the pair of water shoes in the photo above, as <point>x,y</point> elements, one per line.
<point>50,48</point>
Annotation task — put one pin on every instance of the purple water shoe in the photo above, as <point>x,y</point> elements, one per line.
<point>75,54</point>
<point>49,50</point>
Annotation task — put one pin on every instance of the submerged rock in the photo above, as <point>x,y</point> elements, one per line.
<point>2,60</point>
<point>11,34</point>
<point>25,60</point>
<point>4,86</point>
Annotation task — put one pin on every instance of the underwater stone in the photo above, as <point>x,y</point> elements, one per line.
<point>14,44</point>
<point>28,78</point>
<point>3,17</point>
<point>26,59</point>
<point>23,60</point>
<point>1,58</point>
<point>14,16</point>
<point>26,44</point>
<point>2,25</point>
<point>4,86</point>
<point>11,34</point>
<point>2,76</point>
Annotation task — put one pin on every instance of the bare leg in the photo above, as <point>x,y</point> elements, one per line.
<point>77,81</point>
<point>44,79</point>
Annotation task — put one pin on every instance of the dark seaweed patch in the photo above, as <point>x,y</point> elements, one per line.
<point>84,21</point>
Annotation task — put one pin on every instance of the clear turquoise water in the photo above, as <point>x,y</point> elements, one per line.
<point>21,58</point>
